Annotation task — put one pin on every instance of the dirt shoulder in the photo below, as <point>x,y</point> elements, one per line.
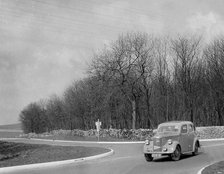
<point>12,154</point>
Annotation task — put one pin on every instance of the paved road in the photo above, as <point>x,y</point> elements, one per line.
<point>128,159</point>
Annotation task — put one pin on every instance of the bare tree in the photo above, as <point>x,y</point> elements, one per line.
<point>124,65</point>
<point>55,113</point>
<point>186,52</point>
<point>214,55</point>
<point>162,78</point>
<point>131,84</point>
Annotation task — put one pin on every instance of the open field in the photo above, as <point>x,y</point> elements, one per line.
<point>11,126</point>
<point>10,131</point>
<point>12,154</point>
<point>8,134</point>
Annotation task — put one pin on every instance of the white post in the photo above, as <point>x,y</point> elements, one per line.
<point>98,124</point>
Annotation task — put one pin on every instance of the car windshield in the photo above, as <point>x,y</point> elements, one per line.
<point>170,128</point>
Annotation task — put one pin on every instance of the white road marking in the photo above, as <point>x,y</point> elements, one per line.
<point>217,139</point>
<point>214,145</point>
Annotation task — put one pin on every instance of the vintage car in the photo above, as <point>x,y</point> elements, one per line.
<point>173,139</point>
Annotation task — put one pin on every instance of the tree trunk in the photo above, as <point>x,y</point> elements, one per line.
<point>167,107</point>
<point>191,113</point>
<point>133,102</point>
<point>218,110</point>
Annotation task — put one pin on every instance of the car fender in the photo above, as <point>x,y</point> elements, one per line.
<point>195,140</point>
<point>174,145</point>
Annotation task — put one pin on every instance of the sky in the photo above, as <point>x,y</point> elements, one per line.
<point>47,44</point>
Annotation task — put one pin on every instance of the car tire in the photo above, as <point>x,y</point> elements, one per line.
<point>196,146</point>
<point>148,157</point>
<point>175,156</point>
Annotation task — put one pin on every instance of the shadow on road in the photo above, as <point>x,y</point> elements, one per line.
<point>167,158</point>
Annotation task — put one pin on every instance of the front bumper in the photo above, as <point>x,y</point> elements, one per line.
<point>166,150</point>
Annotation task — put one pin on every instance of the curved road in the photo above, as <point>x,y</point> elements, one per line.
<point>128,159</point>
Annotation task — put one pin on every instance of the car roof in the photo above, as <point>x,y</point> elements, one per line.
<point>176,122</point>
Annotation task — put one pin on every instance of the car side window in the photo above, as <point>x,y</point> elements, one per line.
<point>191,128</point>
<point>184,129</point>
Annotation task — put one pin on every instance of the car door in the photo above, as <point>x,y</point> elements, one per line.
<point>190,137</point>
<point>184,139</point>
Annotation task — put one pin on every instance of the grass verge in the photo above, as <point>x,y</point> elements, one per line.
<point>12,154</point>
<point>216,168</point>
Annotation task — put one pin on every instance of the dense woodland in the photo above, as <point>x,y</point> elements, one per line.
<point>139,81</point>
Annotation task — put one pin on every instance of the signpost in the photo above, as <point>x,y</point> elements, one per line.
<point>98,124</point>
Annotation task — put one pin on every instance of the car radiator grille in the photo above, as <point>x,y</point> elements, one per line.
<point>157,145</point>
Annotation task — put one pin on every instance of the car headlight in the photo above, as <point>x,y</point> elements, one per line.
<point>164,149</point>
<point>147,142</point>
<point>170,142</point>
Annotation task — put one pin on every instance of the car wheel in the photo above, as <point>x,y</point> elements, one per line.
<point>196,146</point>
<point>148,157</point>
<point>175,156</point>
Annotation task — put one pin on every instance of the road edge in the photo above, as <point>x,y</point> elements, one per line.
<point>201,170</point>
<point>54,163</point>
<point>208,140</point>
